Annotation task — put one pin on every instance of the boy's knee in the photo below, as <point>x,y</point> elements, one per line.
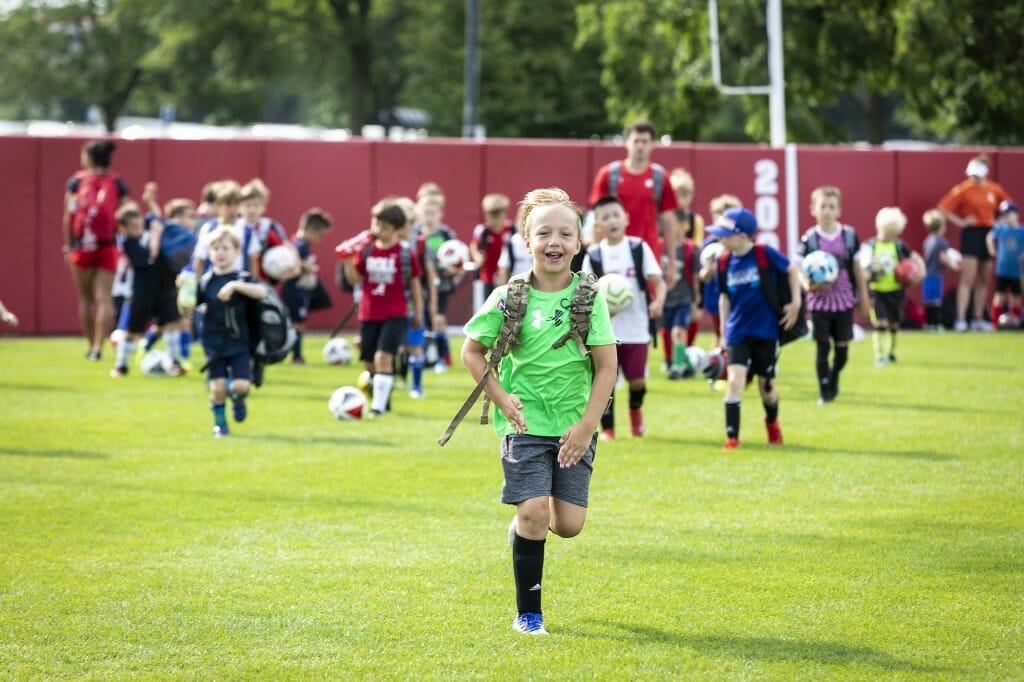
<point>240,387</point>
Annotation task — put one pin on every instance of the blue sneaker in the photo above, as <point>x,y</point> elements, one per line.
<point>238,410</point>
<point>530,624</point>
<point>220,431</point>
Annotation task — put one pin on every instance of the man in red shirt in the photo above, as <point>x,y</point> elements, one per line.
<point>644,191</point>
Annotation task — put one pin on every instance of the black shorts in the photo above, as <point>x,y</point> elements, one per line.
<point>759,356</point>
<point>159,303</point>
<point>832,325</point>
<point>442,305</point>
<point>972,243</point>
<point>888,306</point>
<point>381,335</point>
<point>1008,284</point>
<point>236,366</point>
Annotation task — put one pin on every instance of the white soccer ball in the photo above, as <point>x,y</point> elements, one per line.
<point>453,254</point>
<point>347,403</point>
<point>279,261</point>
<point>955,258</point>
<point>338,352</point>
<point>820,267</point>
<point>618,292</point>
<point>711,253</point>
<point>698,358</point>
<point>156,363</point>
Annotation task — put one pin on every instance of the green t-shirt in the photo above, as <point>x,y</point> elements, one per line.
<point>553,383</point>
<point>894,252</point>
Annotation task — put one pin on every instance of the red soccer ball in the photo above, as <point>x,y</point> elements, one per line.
<point>907,273</point>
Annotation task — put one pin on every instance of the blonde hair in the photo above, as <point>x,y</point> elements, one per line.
<point>722,203</point>
<point>255,189</point>
<point>681,180</point>
<point>546,197</point>
<point>178,207</point>
<point>127,211</point>
<point>224,233</point>
<point>227,192</point>
<point>430,189</point>
<point>890,222</point>
<point>933,219</point>
<point>494,202</point>
<point>826,191</point>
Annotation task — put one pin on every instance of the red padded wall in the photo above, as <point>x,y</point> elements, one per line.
<point>19,195</point>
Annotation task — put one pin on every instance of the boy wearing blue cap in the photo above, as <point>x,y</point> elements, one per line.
<point>750,326</point>
<point>1005,243</point>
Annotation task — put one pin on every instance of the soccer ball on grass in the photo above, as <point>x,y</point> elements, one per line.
<point>347,403</point>
<point>338,351</point>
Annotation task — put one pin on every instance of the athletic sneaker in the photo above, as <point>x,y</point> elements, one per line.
<point>774,432</point>
<point>980,325</point>
<point>960,326</point>
<point>238,410</point>
<point>440,367</point>
<point>299,361</point>
<point>93,356</point>
<point>636,422</point>
<point>607,434</point>
<point>416,394</point>
<point>220,431</point>
<point>512,532</point>
<point>675,373</point>
<point>731,444</point>
<point>374,414</point>
<point>530,624</point>
<point>118,372</point>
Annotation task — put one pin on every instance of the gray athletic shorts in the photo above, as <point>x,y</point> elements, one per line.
<point>531,470</point>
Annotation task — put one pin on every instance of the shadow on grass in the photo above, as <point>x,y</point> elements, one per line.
<point>341,439</point>
<point>10,386</point>
<point>54,454</point>
<point>790,448</point>
<point>775,649</point>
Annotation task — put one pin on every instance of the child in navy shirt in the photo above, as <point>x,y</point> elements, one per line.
<point>750,326</point>
<point>225,330</point>
<point>298,291</point>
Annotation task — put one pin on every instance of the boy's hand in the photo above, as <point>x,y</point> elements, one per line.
<point>227,291</point>
<point>790,312</point>
<point>654,309</point>
<point>864,307</point>
<point>575,443</point>
<point>696,312</point>
<point>149,192</point>
<point>512,408</point>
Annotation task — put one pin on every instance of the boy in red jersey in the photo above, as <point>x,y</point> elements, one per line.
<point>383,307</point>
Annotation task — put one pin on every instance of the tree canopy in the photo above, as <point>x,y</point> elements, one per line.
<point>854,69</point>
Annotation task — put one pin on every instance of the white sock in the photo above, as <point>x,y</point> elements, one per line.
<point>382,384</point>
<point>124,352</point>
<point>172,338</point>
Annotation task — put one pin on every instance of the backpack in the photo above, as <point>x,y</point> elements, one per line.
<point>95,213</point>
<point>176,246</point>
<point>271,335</point>
<point>777,293</point>
<point>580,308</point>
<point>811,241</point>
<point>657,175</point>
<point>404,255</point>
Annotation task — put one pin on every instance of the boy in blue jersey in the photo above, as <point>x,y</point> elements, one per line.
<point>750,326</point>
<point>1005,242</point>
<point>297,292</point>
<point>154,294</point>
<point>225,328</point>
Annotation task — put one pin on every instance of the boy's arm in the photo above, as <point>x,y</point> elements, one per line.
<point>990,243</point>
<point>658,301</point>
<point>156,232</point>
<point>474,360</point>
<point>351,274</point>
<point>792,309</point>
<point>576,440</point>
<point>723,314</point>
<point>65,225</point>
<point>861,282</point>
<point>417,303</point>
<point>672,230</point>
<point>149,199</point>
<point>250,289</point>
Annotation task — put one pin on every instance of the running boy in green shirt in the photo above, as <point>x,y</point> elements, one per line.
<point>548,401</point>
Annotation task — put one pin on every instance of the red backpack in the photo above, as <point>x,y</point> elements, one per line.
<point>94,217</point>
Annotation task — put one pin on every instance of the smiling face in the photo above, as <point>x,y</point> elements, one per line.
<point>553,237</point>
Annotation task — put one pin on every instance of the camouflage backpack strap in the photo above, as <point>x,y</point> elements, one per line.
<point>580,307</point>
<point>517,296</point>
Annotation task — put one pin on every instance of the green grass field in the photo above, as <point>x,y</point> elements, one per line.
<point>884,540</point>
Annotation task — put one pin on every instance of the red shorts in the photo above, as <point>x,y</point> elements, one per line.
<point>633,360</point>
<point>103,258</point>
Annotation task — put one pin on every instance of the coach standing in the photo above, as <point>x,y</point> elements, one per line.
<point>644,191</point>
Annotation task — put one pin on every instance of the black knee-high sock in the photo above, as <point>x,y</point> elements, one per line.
<point>297,348</point>
<point>732,419</point>
<point>821,364</point>
<point>608,417</point>
<point>933,315</point>
<point>771,412</point>
<point>636,398</point>
<point>842,354</point>
<point>528,569</point>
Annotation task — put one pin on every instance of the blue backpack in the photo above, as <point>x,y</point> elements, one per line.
<point>176,246</point>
